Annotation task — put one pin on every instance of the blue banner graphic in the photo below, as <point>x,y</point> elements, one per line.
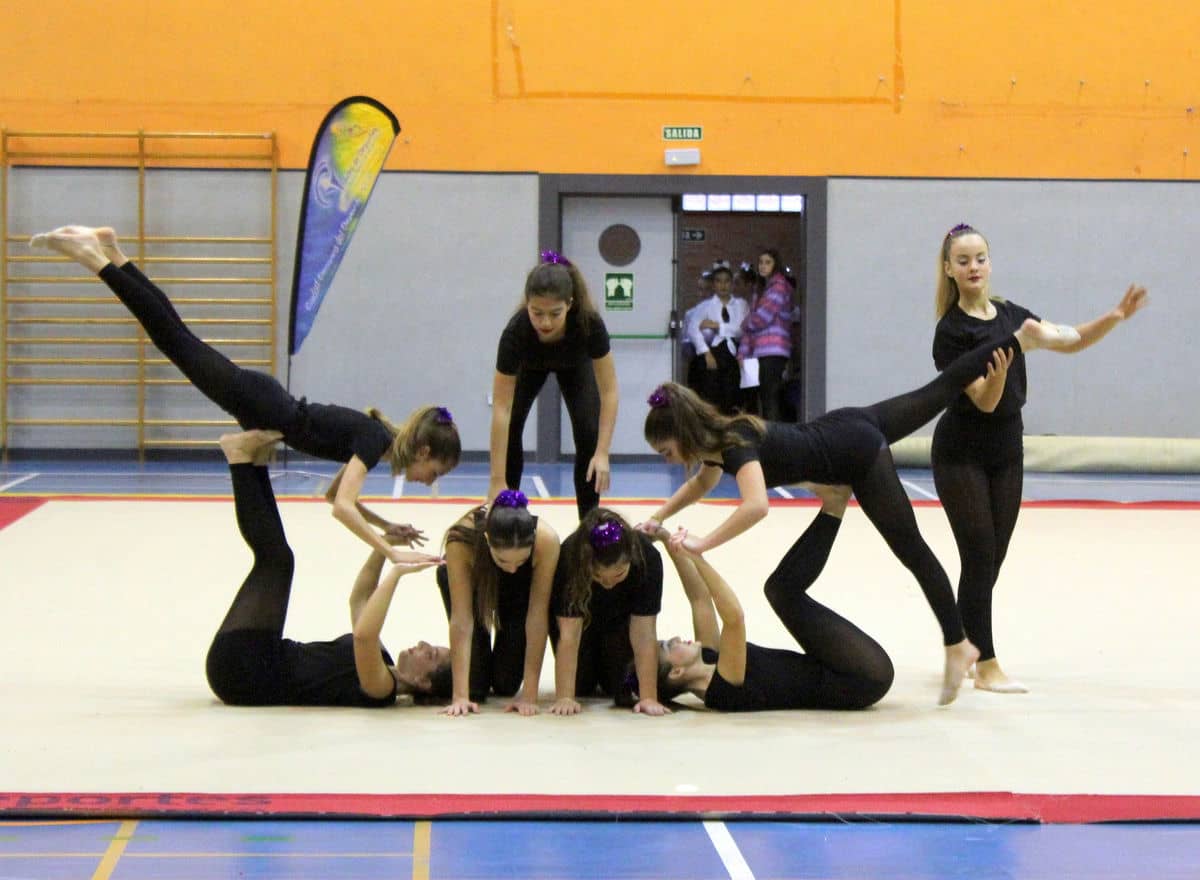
<point>347,155</point>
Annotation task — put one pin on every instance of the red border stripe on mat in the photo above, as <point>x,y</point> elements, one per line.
<point>951,806</point>
<point>12,509</point>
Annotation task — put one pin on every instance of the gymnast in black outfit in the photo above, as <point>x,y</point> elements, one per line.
<point>498,576</point>
<point>845,446</point>
<point>841,667</point>
<point>978,447</point>
<point>250,663</point>
<point>606,600</point>
<point>423,448</point>
<point>557,330</point>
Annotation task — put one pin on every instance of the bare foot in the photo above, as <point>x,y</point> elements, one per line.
<point>990,677</point>
<point>959,658</point>
<point>249,447</point>
<point>107,237</point>
<point>77,242</point>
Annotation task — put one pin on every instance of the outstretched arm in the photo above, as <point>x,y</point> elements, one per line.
<point>504,388</point>
<point>374,677</point>
<point>606,381</point>
<point>537,618</point>
<point>462,627</point>
<point>731,662</point>
<point>566,664</point>
<point>1093,331</point>
<point>752,486</point>
<point>343,492</point>
<point>693,489</point>
<point>704,614</point>
<point>643,636</point>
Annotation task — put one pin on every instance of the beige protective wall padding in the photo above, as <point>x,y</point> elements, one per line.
<point>1158,455</point>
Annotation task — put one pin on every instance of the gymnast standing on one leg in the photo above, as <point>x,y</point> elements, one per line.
<point>978,453</point>
<point>498,575</point>
<point>250,663</point>
<point>423,448</point>
<point>845,446</point>
<point>557,330</point>
<point>841,667</point>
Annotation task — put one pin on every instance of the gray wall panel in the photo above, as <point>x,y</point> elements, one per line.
<point>1066,250</point>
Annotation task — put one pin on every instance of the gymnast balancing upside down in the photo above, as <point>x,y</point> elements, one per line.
<point>250,663</point>
<point>424,447</point>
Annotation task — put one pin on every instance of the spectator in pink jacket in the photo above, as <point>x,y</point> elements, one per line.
<point>767,332</point>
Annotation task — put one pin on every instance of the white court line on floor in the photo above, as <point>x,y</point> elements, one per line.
<point>913,487</point>
<point>17,482</point>
<point>727,849</point>
<point>784,492</point>
<point>540,485</point>
<point>398,487</point>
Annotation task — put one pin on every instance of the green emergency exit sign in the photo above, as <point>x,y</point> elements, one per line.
<point>683,133</point>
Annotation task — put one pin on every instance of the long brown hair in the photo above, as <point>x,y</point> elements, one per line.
<point>605,538</point>
<point>678,413</point>
<point>500,528</point>
<point>564,282</point>
<point>430,426</point>
<point>946,294</point>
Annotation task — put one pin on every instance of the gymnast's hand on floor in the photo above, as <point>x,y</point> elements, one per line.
<point>566,706</point>
<point>404,534</point>
<point>460,707</point>
<point>651,707</point>
<point>525,707</point>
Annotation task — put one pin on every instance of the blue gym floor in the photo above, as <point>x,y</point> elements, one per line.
<point>215,848</point>
<point>357,850</point>
<point>208,475</point>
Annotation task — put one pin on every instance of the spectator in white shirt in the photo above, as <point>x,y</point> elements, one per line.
<point>714,326</point>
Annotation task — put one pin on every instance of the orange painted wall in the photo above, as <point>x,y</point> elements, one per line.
<point>1007,88</point>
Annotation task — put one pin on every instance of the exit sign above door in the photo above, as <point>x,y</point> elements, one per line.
<point>683,133</point>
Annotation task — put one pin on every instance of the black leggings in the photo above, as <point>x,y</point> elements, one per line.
<point>255,399</point>
<point>497,666</point>
<point>720,387</point>
<point>856,672</point>
<point>605,652</point>
<point>582,397</point>
<point>770,387</point>
<point>244,662</point>
<point>982,503</point>
<point>883,498</point>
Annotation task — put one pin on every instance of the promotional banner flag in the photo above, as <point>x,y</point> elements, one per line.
<point>347,155</point>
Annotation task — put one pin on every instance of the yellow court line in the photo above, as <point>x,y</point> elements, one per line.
<point>116,848</point>
<point>422,835</point>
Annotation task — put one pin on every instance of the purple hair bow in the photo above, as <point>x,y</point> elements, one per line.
<point>606,534</point>
<point>442,416</point>
<point>961,227</point>
<point>511,498</point>
<point>550,256</point>
<point>658,398</point>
